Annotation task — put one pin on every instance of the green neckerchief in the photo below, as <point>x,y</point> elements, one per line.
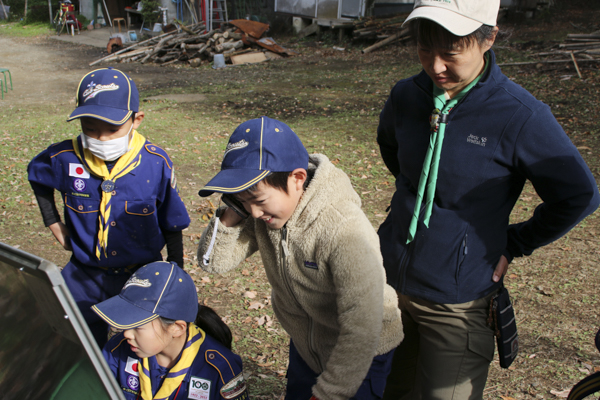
<point>439,119</point>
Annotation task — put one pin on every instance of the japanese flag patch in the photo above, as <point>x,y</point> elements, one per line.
<point>78,171</point>
<point>132,366</point>
<point>199,389</point>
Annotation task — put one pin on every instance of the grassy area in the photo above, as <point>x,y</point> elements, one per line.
<point>20,29</point>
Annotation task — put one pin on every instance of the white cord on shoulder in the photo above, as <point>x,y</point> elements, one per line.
<point>206,256</point>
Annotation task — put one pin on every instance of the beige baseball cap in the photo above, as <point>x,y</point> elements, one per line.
<point>461,17</point>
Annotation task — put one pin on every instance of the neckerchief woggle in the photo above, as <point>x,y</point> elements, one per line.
<point>176,374</point>
<point>124,165</point>
<point>428,179</point>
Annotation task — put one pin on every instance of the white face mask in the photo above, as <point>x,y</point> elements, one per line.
<point>107,150</point>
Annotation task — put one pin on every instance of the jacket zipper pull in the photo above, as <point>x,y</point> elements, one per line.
<point>284,246</point>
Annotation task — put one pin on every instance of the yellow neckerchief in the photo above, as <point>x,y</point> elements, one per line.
<point>125,164</point>
<point>177,373</point>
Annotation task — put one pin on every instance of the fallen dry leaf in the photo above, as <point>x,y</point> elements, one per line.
<point>265,364</point>
<point>558,393</point>
<point>256,305</point>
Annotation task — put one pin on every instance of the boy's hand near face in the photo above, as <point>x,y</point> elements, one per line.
<point>230,218</point>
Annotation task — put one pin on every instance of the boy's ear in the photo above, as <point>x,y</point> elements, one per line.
<point>178,328</point>
<point>137,121</point>
<point>299,175</point>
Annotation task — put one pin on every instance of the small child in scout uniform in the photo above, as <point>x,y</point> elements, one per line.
<point>162,352</point>
<point>121,203</point>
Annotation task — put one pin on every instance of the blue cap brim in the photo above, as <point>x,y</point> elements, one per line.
<point>115,116</point>
<point>233,181</point>
<point>121,314</point>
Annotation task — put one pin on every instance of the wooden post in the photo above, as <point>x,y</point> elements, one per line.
<point>4,10</point>
<point>576,66</point>
<point>384,42</point>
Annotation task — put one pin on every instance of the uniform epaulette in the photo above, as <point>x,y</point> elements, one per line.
<point>60,147</point>
<point>158,151</point>
<point>118,344</point>
<point>234,386</point>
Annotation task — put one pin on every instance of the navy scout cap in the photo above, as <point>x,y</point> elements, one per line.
<point>107,94</point>
<point>158,289</point>
<point>256,148</point>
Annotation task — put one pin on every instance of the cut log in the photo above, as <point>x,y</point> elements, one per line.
<point>249,58</point>
<point>387,41</point>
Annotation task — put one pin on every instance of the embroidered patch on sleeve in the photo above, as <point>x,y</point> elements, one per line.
<point>199,389</point>
<point>234,387</point>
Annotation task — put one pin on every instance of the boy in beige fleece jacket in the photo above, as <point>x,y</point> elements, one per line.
<point>321,256</point>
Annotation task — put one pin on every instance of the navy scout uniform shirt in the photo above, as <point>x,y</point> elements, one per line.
<point>144,203</point>
<point>216,373</point>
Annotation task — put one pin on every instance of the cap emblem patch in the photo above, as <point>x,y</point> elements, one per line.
<point>93,90</point>
<point>133,281</point>
<point>235,146</point>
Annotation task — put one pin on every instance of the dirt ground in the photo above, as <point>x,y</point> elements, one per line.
<point>555,291</point>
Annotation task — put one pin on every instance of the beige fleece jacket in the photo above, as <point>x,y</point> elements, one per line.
<point>327,278</point>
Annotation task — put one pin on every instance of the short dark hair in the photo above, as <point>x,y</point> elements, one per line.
<point>431,34</point>
<point>278,180</point>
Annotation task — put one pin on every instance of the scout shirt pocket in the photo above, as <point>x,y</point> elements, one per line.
<point>81,215</point>
<point>140,224</point>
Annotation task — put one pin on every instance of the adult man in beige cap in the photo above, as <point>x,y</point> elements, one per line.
<point>461,139</point>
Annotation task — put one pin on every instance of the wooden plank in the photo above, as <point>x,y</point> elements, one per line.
<point>576,66</point>
<point>542,62</point>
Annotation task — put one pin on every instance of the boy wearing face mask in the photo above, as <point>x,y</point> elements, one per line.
<point>121,203</point>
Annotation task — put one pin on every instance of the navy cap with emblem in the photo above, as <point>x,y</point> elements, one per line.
<point>158,289</point>
<point>107,94</point>
<point>256,148</point>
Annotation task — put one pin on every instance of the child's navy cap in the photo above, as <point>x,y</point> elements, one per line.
<point>107,94</point>
<point>256,148</point>
<point>159,289</point>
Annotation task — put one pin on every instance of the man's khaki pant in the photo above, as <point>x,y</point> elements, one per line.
<point>446,352</point>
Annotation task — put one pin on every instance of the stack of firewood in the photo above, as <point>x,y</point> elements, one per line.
<point>577,49</point>
<point>385,30</point>
<point>584,44</point>
<point>189,44</point>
